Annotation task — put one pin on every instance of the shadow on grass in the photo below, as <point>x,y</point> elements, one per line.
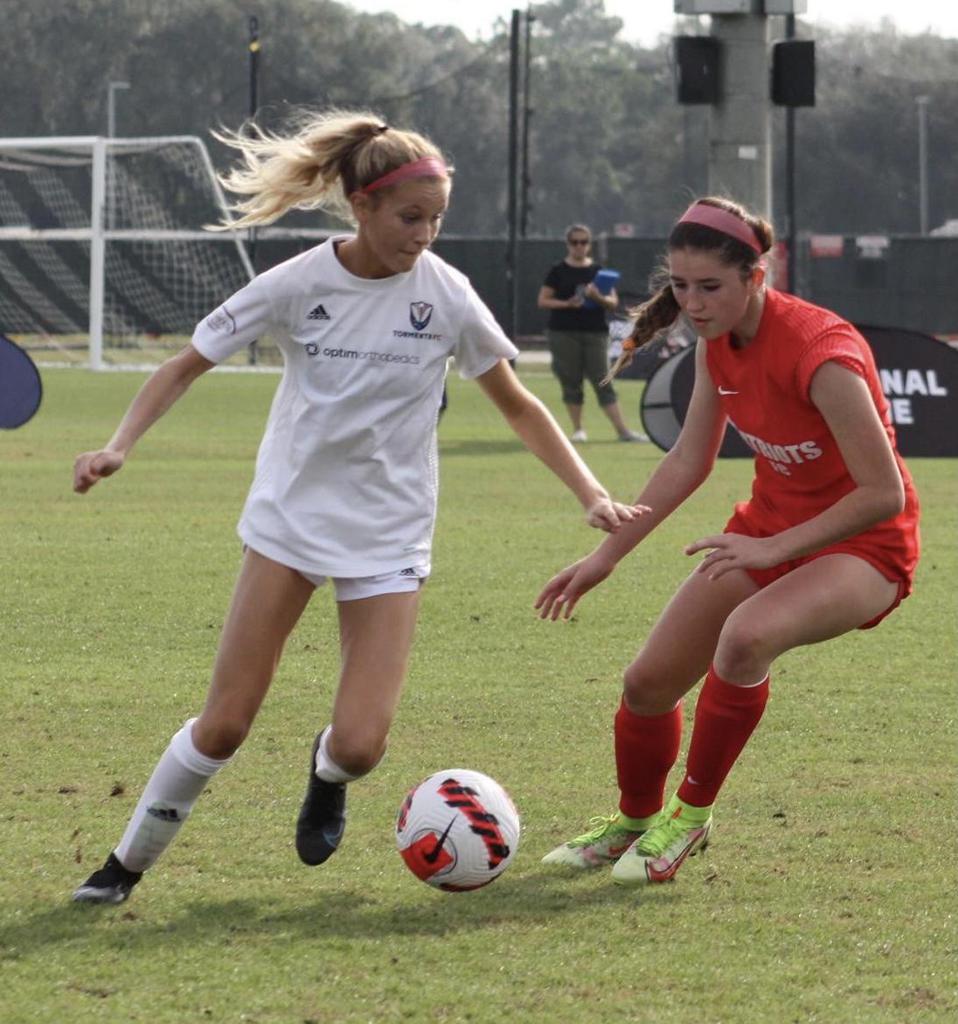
<point>492,446</point>
<point>451,448</point>
<point>335,915</point>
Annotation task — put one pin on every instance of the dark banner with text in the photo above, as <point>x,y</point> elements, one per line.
<point>919,376</point>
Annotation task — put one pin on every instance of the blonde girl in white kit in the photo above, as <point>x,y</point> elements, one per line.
<point>345,485</point>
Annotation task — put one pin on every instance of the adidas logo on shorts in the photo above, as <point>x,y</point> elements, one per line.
<point>318,313</point>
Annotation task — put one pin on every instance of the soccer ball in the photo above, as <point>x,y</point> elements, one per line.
<point>457,830</point>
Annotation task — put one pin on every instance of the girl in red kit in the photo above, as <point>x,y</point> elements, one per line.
<point>827,542</point>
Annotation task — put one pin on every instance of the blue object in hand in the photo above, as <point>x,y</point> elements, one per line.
<point>605,281</point>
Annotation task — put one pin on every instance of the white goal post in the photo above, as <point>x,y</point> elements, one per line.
<point>102,243</point>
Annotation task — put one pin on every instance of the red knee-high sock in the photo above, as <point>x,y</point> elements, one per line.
<point>725,717</point>
<point>646,747</point>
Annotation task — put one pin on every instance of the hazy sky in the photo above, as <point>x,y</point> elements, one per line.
<point>645,20</point>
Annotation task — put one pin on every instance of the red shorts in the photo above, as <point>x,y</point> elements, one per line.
<point>896,564</point>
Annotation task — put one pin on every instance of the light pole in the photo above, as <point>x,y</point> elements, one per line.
<point>922,102</point>
<point>111,89</point>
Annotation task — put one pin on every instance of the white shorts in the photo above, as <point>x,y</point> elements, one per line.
<point>348,588</point>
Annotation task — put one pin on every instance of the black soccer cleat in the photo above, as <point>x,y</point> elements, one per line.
<point>111,884</point>
<point>322,818</point>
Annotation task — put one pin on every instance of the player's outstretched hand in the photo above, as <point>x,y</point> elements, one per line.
<point>561,594</point>
<point>93,466</point>
<point>609,515</point>
<point>728,551</point>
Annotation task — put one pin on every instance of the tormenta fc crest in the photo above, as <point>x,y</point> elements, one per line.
<point>420,314</point>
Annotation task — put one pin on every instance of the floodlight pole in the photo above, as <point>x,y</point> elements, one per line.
<point>922,102</point>
<point>512,256</point>
<point>524,179</point>
<point>111,90</point>
<point>98,187</point>
<point>740,120</point>
<point>253,351</point>
<point>791,230</point>
<point>253,66</point>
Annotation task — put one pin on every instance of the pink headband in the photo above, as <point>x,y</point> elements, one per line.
<point>424,167</point>
<point>717,219</point>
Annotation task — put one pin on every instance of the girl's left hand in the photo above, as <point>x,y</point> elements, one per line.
<point>609,515</point>
<point>728,551</point>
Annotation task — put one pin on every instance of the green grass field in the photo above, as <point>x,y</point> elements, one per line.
<point>827,895</point>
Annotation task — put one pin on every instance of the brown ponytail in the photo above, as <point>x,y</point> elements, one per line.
<point>662,310</point>
<point>651,317</point>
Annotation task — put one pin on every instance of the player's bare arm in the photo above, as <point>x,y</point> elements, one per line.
<point>166,385</point>
<point>538,431</point>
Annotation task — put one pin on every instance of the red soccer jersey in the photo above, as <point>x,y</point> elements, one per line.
<point>799,470</point>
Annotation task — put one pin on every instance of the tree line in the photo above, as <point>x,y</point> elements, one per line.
<point>608,142</point>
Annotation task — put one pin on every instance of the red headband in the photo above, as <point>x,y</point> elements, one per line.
<point>717,219</point>
<point>424,167</point>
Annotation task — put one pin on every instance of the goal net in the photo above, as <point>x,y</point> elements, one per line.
<point>103,256</point>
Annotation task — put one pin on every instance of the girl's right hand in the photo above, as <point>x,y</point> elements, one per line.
<point>93,466</point>
<point>561,594</point>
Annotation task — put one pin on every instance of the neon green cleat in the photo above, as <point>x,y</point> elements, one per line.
<point>609,838</point>
<point>658,853</point>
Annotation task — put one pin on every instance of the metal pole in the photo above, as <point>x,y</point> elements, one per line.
<point>512,261</point>
<point>791,232</point>
<point>740,122</point>
<point>110,182</point>
<point>97,254</point>
<point>922,102</point>
<point>688,175</point>
<point>111,89</point>
<point>253,353</point>
<point>253,67</point>
<point>524,178</point>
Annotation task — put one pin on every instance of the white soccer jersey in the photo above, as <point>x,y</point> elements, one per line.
<point>346,476</point>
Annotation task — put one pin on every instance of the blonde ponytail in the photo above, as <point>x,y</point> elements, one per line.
<point>327,157</point>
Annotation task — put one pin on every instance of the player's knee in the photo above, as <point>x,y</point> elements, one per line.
<point>645,690</point>
<point>221,738</point>
<point>357,753</point>
<point>743,643</point>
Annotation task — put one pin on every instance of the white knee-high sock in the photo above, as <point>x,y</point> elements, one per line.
<point>177,781</point>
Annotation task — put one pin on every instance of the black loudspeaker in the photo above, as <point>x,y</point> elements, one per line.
<point>793,73</point>
<point>697,69</point>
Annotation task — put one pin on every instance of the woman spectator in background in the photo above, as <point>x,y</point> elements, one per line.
<point>578,334</point>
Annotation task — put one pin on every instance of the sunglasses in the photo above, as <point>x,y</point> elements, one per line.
<point>580,241</point>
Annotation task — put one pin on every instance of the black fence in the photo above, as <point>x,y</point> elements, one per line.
<point>904,281</point>
<point>895,281</point>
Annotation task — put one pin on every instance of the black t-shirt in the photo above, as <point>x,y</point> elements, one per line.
<point>565,280</point>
